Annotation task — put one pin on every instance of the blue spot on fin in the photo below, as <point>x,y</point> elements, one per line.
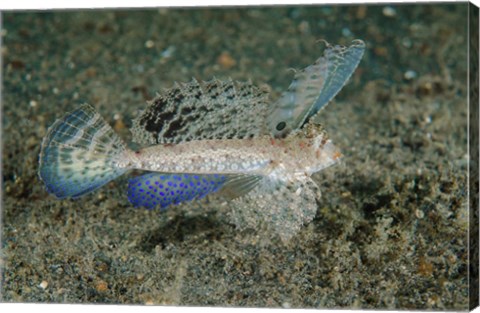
<point>162,189</point>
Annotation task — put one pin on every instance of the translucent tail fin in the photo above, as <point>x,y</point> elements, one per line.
<point>79,154</point>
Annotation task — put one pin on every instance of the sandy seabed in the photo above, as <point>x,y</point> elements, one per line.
<point>391,228</point>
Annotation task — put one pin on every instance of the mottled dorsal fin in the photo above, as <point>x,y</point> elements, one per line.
<point>203,110</point>
<point>313,87</point>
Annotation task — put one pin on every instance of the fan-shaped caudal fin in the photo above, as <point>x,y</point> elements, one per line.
<point>79,154</point>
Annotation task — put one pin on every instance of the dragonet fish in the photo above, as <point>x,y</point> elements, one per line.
<point>220,138</point>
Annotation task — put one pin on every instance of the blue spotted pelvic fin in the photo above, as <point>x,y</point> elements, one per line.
<point>202,110</point>
<point>164,189</point>
<point>79,154</point>
<point>282,206</point>
<point>313,87</point>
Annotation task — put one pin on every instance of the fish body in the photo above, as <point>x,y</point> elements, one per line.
<point>302,152</point>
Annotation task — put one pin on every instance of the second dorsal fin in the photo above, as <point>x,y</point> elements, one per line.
<point>203,110</point>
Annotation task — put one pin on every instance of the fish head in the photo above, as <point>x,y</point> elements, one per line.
<point>325,153</point>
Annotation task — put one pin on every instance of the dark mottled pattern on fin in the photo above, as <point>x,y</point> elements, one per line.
<point>79,154</point>
<point>313,87</point>
<point>226,109</point>
<point>160,189</point>
<point>282,206</point>
<point>203,110</point>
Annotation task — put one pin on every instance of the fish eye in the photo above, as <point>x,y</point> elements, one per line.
<point>281,126</point>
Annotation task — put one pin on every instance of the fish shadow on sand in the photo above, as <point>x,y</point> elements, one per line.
<point>182,228</point>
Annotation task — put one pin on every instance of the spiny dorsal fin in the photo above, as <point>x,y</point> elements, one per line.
<point>203,110</point>
<point>313,87</point>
